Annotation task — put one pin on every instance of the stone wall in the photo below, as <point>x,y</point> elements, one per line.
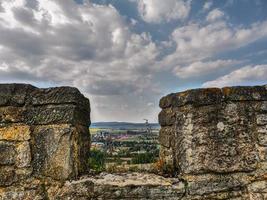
<point>216,141</point>
<point>43,133</point>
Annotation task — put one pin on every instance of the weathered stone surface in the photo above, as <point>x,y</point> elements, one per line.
<point>166,136</point>
<point>23,158</point>
<point>7,153</point>
<point>27,104</point>
<point>166,155</point>
<point>19,94</point>
<point>23,173</point>
<point>136,186</point>
<point>261,119</point>
<point>211,183</point>
<point>59,95</point>
<point>75,190</point>
<point>218,136</point>
<point>167,117</point>
<point>14,94</point>
<point>57,114</point>
<point>245,93</point>
<point>29,190</point>
<point>263,107</point>
<point>18,132</point>
<point>12,114</point>
<point>197,97</point>
<point>43,133</point>
<point>55,152</point>
<point>262,151</point>
<point>209,96</point>
<point>218,143</point>
<point>214,140</point>
<point>7,175</point>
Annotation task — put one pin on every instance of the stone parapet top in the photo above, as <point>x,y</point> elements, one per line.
<point>25,94</point>
<point>209,96</point>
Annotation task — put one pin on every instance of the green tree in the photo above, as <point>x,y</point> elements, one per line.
<point>97,160</point>
<point>143,158</point>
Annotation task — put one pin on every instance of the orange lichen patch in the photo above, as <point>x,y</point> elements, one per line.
<point>211,90</point>
<point>183,94</point>
<point>227,91</point>
<point>11,114</point>
<point>204,91</point>
<point>15,133</point>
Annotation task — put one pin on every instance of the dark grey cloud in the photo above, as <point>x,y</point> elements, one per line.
<point>22,44</point>
<point>24,16</point>
<point>33,4</point>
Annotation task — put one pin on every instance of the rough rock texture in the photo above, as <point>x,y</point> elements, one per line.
<point>43,133</point>
<point>216,140</point>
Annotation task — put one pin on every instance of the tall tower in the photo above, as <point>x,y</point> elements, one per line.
<point>148,127</point>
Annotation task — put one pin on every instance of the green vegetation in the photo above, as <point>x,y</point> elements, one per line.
<point>97,160</point>
<point>144,158</point>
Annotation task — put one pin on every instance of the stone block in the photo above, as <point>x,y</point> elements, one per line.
<point>18,132</point>
<point>264,106</point>
<point>7,155</point>
<point>166,155</point>
<point>23,173</point>
<point>216,130</point>
<point>14,94</point>
<point>166,135</point>
<point>262,119</point>
<point>262,139</point>
<point>197,97</point>
<point>166,102</point>
<point>56,151</point>
<point>216,146</point>
<point>245,93</point>
<point>59,95</point>
<point>167,117</point>
<point>12,114</point>
<point>211,184</point>
<point>258,187</point>
<point>7,175</point>
<point>262,153</point>
<point>23,193</point>
<point>57,114</point>
<point>23,157</point>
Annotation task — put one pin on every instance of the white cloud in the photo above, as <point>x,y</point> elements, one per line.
<point>241,76</point>
<point>157,11</point>
<point>196,41</point>
<point>207,5</point>
<point>200,68</point>
<point>214,15</point>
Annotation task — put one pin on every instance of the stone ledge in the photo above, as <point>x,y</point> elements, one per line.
<point>138,186</point>
<point>14,94</point>
<point>209,96</point>
<point>25,94</point>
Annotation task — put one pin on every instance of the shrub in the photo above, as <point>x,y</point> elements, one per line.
<point>97,160</point>
<point>163,168</point>
<point>143,158</point>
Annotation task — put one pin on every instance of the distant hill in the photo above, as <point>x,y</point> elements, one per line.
<point>123,125</point>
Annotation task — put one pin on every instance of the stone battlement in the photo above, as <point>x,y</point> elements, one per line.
<point>216,139</point>
<point>213,140</point>
<point>43,133</point>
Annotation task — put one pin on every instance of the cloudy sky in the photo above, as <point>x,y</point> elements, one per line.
<point>125,54</point>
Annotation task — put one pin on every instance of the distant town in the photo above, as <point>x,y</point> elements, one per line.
<point>126,145</point>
